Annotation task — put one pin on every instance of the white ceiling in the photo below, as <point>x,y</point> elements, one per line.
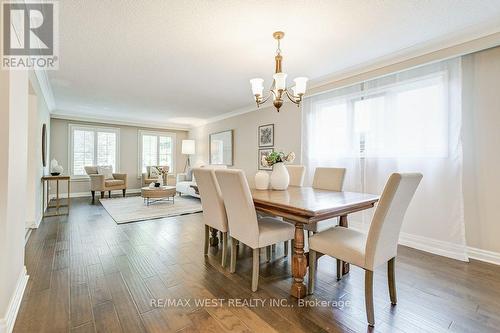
<point>183,62</point>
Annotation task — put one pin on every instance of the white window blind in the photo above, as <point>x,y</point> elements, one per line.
<point>92,146</point>
<point>156,148</point>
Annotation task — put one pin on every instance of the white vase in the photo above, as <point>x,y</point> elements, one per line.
<point>280,177</point>
<point>261,180</point>
<point>160,180</point>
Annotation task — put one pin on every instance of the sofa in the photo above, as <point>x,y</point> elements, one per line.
<point>183,184</point>
<point>147,179</point>
<point>101,183</point>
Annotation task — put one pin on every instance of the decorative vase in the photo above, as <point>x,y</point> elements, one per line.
<point>280,177</point>
<point>160,179</point>
<point>261,180</point>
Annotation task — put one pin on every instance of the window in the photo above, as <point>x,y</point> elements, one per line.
<point>92,146</point>
<point>156,148</point>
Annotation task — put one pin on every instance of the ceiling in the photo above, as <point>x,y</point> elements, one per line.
<point>183,62</point>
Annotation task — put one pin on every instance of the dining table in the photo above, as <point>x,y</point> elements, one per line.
<point>306,205</point>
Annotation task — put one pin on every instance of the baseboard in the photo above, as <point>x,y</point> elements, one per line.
<point>484,255</point>
<point>27,235</point>
<point>7,323</point>
<point>88,194</point>
<point>434,246</point>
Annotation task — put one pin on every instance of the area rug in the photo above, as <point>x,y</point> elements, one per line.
<point>133,209</point>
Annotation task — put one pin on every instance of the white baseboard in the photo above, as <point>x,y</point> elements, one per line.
<point>445,249</point>
<point>7,323</point>
<point>88,194</point>
<point>484,255</point>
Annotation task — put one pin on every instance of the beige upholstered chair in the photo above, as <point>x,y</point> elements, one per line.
<point>99,183</point>
<point>331,179</point>
<point>297,173</point>
<point>371,250</point>
<point>148,179</point>
<point>243,223</point>
<point>214,212</point>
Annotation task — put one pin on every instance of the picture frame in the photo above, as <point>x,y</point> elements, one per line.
<point>266,135</point>
<point>263,152</point>
<point>221,148</point>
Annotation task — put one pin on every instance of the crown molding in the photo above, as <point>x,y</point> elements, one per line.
<point>459,44</point>
<point>46,89</point>
<point>57,114</point>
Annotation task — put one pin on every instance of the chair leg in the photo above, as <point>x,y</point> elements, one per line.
<point>312,270</point>
<point>392,280</point>
<point>232,267</point>
<point>255,269</point>
<point>285,245</point>
<point>124,192</point>
<point>102,194</point>
<point>224,249</point>
<point>339,269</point>
<point>93,196</point>
<point>268,253</point>
<point>207,235</point>
<point>370,316</point>
<point>109,196</point>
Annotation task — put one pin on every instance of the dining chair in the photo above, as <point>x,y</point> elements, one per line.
<point>244,226</point>
<point>331,179</point>
<point>371,250</point>
<point>297,174</point>
<point>214,212</point>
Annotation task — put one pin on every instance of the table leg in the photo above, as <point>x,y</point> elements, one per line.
<point>343,223</point>
<point>57,195</point>
<point>69,197</point>
<point>214,241</point>
<point>299,264</point>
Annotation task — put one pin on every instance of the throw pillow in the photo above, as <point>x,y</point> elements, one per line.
<point>154,172</point>
<point>106,170</point>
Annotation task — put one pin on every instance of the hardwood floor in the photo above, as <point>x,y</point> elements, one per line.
<point>88,274</point>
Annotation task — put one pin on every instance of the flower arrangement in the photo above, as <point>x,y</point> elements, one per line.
<point>277,157</point>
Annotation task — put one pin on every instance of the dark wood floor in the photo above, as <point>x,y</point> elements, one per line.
<point>88,274</point>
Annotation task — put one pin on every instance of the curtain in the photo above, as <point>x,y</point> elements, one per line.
<point>404,122</point>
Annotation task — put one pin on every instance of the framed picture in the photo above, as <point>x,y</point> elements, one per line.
<point>221,148</point>
<point>264,152</point>
<point>266,135</point>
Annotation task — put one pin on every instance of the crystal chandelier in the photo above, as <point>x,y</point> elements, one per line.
<point>278,88</point>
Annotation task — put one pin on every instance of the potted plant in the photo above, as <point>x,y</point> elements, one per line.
<point>279,177</point>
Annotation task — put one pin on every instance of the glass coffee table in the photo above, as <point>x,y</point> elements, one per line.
<point>157,194</point>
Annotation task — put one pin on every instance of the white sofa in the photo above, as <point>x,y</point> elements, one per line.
<point>183,186</point>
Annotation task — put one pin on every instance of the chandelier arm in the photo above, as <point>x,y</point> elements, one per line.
<point>292,97</point>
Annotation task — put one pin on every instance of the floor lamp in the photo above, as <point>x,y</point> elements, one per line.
<point>188,148</point>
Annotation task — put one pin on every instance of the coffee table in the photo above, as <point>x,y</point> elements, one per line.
<point>156,194</point>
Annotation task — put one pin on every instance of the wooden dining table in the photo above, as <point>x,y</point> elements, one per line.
<point>306,205</point>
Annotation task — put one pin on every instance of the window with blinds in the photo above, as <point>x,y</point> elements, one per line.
<point>156,148</point>
<point>92,146</point>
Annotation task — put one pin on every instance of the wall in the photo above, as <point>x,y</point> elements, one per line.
<point>287,132</point>
<point>38,115</point>
<point>128,151</point>
<point>481,138</point>
<point>13,161</point>
<point>481,142</point>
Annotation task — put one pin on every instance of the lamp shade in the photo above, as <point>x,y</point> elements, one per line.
<point>257,86</point>
<point>188,147</point>
<point>280,80</point>
<point>300,85</point>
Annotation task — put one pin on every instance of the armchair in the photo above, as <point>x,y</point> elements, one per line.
<point>99,183</point>
<point>147,179</point>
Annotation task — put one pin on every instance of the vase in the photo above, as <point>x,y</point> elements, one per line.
<point>160,179</point>
<point>280,177</point>
<point>261,180</point>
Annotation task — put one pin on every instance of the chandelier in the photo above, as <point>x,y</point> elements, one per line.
<point>279,89</point>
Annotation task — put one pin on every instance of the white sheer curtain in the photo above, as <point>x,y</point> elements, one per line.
<point>404,122</point>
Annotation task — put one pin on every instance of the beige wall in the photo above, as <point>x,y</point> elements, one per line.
<point>481,143</point>
<point>287,129</point>
<point>13,170</point>
<point>128,150</point>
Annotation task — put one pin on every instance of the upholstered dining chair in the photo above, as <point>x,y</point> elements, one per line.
<point>297,174</point>
<point>371,250</point>
<point>214,212</point>
<point>243,223</point>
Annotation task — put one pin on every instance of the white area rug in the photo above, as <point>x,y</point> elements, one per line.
<point>133,209</point>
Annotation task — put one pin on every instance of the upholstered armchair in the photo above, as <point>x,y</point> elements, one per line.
<point>148,178</point>
<point>99,183</point>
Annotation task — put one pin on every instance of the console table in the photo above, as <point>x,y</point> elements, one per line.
<point>45,196</point>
